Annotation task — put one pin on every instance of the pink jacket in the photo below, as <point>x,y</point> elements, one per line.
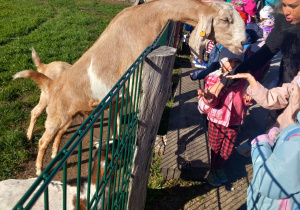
<point>286,97</point>
<point>229,108</point>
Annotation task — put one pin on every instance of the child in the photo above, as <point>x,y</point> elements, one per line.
<point>224,114</point>
<point>247,6</point>
<point>266,21</point>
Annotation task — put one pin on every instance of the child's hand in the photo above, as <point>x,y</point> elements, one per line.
<point>204,93</point>
<point>248,98</point>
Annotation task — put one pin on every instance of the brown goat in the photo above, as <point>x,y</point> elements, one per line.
<point>85,84</point>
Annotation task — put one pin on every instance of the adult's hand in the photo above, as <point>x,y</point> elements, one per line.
<point>252,81</point>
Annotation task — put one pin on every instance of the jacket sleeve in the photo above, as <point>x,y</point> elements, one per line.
<point>252,64</point>
<point>204,106</point>
<point>275,98</point>
<point>275,174</point>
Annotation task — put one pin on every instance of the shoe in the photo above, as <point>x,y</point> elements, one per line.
<point>195,60</point>
<point>221,175</point>
<point>212,179</point>
<point>204,64</point>
<point>244,149</point>
<point>201,65</point>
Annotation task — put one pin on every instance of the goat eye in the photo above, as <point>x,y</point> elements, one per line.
<point>225,20</point>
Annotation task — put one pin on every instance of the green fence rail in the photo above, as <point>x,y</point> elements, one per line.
<point>109,169</point>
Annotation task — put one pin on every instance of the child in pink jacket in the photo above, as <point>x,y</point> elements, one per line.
<point>224,114</point>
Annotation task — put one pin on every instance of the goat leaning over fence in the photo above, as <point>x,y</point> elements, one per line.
<point>85,84</point>
<point>13,189</point>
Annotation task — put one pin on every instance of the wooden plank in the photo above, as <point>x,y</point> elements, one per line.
<point>156,89</point>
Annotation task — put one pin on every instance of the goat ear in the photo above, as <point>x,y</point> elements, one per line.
<point>198,38</point>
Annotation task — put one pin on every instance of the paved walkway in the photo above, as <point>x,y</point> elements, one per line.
<point>187,153</point>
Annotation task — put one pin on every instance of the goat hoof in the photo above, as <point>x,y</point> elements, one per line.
<point>29,137</point>
<point>38,172</point>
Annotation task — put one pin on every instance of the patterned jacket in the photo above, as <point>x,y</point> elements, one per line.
<point>275,183</point>
<point>229,108</point>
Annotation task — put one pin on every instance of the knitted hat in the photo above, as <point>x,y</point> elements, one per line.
<point>226,55</point>
<point>266,11</point>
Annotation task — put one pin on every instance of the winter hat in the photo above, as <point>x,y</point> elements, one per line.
<point>266,11</point>
<point>250,7</point>
<point>226,55</point>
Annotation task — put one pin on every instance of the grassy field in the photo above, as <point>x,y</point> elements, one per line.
<point>58,30</point>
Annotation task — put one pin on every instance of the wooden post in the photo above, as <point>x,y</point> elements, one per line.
<point>156,89</point>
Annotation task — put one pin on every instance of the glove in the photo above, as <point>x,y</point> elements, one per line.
<point>270,137</point>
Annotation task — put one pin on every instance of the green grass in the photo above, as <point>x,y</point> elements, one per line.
<point>58,30</point>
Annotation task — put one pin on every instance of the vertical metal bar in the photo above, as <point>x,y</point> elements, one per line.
<point>140,84</point>
<point>135,91</point>
<point>107,151</point>
<point>100,148</point>
<point>126,107</point>
<point>90,168</point>
<point>113,147</point>
<point>78,175</point>
<point>109,122</point>
<point>65,186</point>
<point>118,148</point>
<point>131,92</point>
<point>105,173</point>
<point>46,199</point>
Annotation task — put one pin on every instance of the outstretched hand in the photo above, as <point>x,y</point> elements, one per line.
<point>239,76</point>
<point>252,81</point>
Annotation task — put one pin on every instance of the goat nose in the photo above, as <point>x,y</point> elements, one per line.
<point>242,43</point>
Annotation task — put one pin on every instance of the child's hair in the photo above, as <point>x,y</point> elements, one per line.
<point>226,55</point>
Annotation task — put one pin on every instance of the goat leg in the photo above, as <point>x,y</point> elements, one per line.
<point>58,139</point>
<point>35,113</point>
<point>43,144</point>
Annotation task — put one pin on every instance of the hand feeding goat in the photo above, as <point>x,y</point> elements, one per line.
<point>51,70</point>
<point>84,85</point>
<point>13,189</point>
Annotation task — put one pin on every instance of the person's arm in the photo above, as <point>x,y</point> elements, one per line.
<point>252,64</point>
<point>207,102</point>
<point>275,98</point>
<point>201,74</point>
<point>263,55</point>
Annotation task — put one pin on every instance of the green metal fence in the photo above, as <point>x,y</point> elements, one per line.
<point>109,169</point>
